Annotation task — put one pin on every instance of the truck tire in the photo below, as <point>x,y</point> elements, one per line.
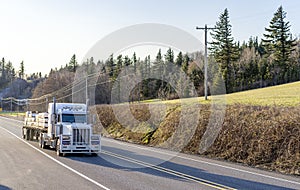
<point>94,154</point>
<point>23,135</point>
<point>41,141</point>
<point>27,135</point>
<point>58,153</point>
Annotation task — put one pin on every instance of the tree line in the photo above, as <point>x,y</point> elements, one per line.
<point>9,74</point>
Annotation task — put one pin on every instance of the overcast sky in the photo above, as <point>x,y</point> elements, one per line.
<point>45,34</point>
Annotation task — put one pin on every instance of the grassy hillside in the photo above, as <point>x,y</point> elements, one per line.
<point>281,95</point>
<point>261,127</point>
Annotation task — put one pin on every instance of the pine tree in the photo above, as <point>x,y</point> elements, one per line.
<point>22,70</point>
<point>145,75</point>
<point>158,69</point>
<point>10,72</point>
<point>73,64</point>
<point>127,61</point>
<point>185,67</point>
<point>169,60</point>
<point>134,61</point>
<point>179,59</point>
<point>185,64</point>
<point>224,49</point>
<point>169,56</point>
<point>119,65</point>
<point>110,65</point>
<point>278,43</point>
<point>3,69</point>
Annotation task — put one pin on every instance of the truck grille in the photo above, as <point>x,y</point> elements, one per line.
<point>81,136</point>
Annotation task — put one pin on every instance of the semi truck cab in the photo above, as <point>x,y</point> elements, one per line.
<point>68,130</point>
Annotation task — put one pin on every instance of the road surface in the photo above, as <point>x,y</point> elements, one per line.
<point>122,166</point>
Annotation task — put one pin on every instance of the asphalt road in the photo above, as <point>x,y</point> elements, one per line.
<point>122,166</point>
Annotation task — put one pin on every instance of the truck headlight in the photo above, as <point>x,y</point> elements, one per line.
<point>66,138</point>
<point>66,143</point>
<point>93,138</point>
<point>95,143</point>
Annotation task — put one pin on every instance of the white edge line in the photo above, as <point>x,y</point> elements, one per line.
<point>58,162</point>
<point>200,161</point>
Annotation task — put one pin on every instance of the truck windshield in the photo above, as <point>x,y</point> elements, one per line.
<point>74,118</point>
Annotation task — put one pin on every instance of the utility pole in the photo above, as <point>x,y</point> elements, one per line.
<point>205,57</point>
<point>46,104</point>
<point>86,99</point>
<point>86,90</point>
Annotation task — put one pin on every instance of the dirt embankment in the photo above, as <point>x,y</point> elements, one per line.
<point>264,137</point>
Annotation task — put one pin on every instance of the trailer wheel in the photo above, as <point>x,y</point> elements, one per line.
<point>41,141</point>
<point>23,135</point>
<point>27,135</point>
<point>58,153</point>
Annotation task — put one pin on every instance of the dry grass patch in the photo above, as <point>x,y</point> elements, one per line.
<point>260,136</point>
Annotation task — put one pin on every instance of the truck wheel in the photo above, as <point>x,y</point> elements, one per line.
<point>27,135</point>
<point>58,153</point>
<point>41,141</point>
<point>94,154</point>
<point>23,135</point>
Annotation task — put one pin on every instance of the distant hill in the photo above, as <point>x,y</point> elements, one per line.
<point>19,88</point>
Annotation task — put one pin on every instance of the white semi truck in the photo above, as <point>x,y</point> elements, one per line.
<point>65,129</point>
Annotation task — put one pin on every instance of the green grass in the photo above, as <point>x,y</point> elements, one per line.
<point>13,114</point>
<point>281,95</point>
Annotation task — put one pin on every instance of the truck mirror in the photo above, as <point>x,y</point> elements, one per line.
<point>53,118</point>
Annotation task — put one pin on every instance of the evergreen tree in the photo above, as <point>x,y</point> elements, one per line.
<point>134,61</point>
<point>3,69</point>
<point>169,56</point>
<point>119,62</point>
<point>73,64</point>
<point>224,50</point>
<point>119,65</point>
<point>9,71</point>
<point>185,64</point>
<point>145,75</point>
<point>90,66</point>
<point>278,43</point>
<point>185,67</point>
<point>169,60</point>
<point>158,69</point>
<point>117,84</point>
<point>22,70</point>
<point>159,56</point>
<point>127,61</point>
<point>110,65</point>
<point>179,59</point>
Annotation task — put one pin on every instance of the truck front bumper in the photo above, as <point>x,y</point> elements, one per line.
<point>80,149</point>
